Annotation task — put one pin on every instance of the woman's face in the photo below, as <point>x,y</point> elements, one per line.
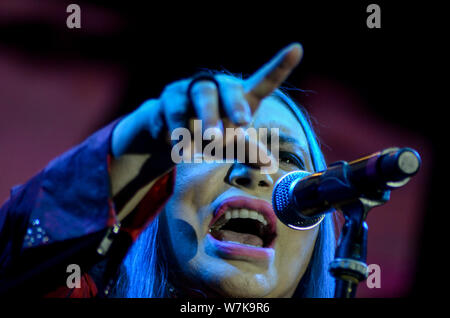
<point>217,245</point>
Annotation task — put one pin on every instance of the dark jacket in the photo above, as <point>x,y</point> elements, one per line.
<point>65,215</point>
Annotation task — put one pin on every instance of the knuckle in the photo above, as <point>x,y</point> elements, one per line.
<point>204,87</point>
<point>235,86</point>
<point>169,90</point>
<point>174,88</point>
<point>229,81</point>
<point>149,103</point>
<point>233,96</point>
<point>173,107</point>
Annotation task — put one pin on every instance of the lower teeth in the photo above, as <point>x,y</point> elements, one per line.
<point>244,244</point>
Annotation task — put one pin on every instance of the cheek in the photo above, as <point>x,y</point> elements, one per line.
<point>196,183</point>
<point>294,250</point>
<point>187,211</point>
<point>184,240</point>
<point>191,186</point>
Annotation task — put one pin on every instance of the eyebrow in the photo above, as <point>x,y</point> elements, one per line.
<point>283,138</point>
<point>288,139</point>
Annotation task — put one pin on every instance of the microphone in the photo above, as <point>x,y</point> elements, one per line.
<point>301,199</point>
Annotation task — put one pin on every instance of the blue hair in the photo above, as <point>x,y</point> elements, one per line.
<point>144,272</point>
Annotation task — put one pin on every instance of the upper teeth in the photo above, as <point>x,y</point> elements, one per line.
<point>244,214</point>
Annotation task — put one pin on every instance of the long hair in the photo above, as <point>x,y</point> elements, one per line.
<point>144,272</point>
<point>317,281</point>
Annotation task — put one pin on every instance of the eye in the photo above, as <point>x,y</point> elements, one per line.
<point>291,161</point>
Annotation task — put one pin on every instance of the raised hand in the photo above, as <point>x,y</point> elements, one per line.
<point>238,101</point>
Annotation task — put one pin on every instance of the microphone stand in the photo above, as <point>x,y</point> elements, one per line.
<point>349,266</point>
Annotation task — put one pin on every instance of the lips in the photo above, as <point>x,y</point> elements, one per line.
<point>241,223</point>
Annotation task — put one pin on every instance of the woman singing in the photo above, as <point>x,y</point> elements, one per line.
<point>136,224</point>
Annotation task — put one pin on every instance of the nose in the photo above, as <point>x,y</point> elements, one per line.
<point>249,177</point>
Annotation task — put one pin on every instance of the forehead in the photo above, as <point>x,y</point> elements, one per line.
<point>273,113</point>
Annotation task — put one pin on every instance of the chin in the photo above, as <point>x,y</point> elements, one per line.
<point>246,285</point>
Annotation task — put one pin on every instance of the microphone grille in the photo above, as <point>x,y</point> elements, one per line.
<point>281,199</point>
<point>284,205</point>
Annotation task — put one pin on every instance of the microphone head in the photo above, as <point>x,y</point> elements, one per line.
<point>283,203</point>
<point>397,166</point>
<point>408,161</point>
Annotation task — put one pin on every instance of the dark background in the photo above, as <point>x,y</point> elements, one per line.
<point>367,89</point>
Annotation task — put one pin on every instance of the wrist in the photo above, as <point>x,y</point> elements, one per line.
<point>125,132</point>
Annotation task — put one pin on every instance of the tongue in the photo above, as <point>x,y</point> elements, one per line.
<point>244,238</point>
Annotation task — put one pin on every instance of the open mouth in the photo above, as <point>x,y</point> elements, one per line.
<point>245,221</point>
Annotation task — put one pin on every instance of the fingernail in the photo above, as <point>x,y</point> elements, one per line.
<point>294,45</point>
<point>242,117</point>
<point>217,128</point>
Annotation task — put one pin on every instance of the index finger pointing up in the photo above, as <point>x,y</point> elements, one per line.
<point>271,75</point>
